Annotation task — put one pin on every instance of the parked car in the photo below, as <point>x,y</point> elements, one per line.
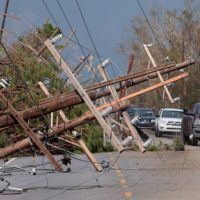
<point>142,117</point>
<point>168,121</point>
<point>191,125</point>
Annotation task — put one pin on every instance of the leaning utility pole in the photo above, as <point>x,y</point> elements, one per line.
<point>84,95</point>
<point>126,117</point>
<point>30,132</point>
<point>158,73</point>
<point>87,117</point>
<point>70,99</point>
<point>79,139</point>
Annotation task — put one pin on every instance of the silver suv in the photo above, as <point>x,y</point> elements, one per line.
<point>168,121</point>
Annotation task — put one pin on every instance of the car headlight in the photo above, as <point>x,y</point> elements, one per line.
<point>197,123</point>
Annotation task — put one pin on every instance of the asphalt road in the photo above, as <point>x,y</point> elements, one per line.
<point>168,139</point>
<point>159,175</point>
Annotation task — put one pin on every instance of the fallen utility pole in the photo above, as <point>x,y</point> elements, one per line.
<point>158,73</point>
<point>70,99</point>
<point>83,119</point>
<point>30,132</point>
<point>126,117</point>
<point>84,95</point>
<point>90,156</point>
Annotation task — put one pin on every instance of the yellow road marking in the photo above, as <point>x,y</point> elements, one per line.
<point>128,194</point>
<point>123,182</point>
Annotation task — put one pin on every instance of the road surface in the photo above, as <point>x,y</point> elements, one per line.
<point>159,175</point>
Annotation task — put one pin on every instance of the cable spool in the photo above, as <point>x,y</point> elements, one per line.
<point>127,141</point>
<point>107,111</point>
<point>56,38</point>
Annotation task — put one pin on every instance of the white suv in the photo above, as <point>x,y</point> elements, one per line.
<point>168,121</point>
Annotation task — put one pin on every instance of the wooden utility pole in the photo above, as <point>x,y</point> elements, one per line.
<point>158,73</point>
<point>80,140</point>
<point>30,132</point>
<point>84,95</point>
<point>83,119</point>
<point>126,117</point>
<point>72,98</point>
<point>44,89</point>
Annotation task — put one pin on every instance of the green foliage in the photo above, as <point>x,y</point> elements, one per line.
<point>76,111</point>
<point>95,139</point>
<point>179,39</point>
<point>178,144</point>
<point>153,147</point>
<point>174,55</point>
<point>3,140</point>
<point>135,147</point>
<point>47,30</point>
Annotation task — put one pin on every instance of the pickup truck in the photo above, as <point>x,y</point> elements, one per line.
<point>191,125</point>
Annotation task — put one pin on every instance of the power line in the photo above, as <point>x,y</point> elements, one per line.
<point>148,22</point>
<point>53,18</point>
<point>87,29</point>
<point>69,24</point>
<point>4,18</point>
<point>56,23</point>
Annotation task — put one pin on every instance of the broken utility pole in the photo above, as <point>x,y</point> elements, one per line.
<point>70,99</point>
<point>90,156</point>
<point>126,117</point>
<point>83,119</point>
<point>29,132</point>
<point>84,95</point>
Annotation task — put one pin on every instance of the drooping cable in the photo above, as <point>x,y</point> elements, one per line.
<point>53,18</point>
<point>87,29</point>
<point>153,32</point>
<point>75,42</point>
<point>69,24</point>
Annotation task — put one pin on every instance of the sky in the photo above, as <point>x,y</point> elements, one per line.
<point>106,20</point>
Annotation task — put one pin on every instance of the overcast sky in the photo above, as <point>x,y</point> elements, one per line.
<point>106,19</point>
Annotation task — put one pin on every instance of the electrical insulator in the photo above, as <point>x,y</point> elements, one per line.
<point>76,134</point>
<point>176,99</point>
<point>56,38</point>
<point>127,141</point>
<point>106,62</point>
<point>148,143</point>
<point>4,83</point>
<point>107,111</point>
<point>33,172</point>
<point>105,164</point>
<point>135,120</point>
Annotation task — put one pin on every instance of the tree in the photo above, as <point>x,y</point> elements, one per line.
<point>177,39</point>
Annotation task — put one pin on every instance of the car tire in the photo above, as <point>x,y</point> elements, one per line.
<point>158,133</point>
<point>194,142</point>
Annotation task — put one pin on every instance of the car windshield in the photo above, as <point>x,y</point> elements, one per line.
<point>172,114</point>
<point>145,113</point>
<point>140,112</point>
